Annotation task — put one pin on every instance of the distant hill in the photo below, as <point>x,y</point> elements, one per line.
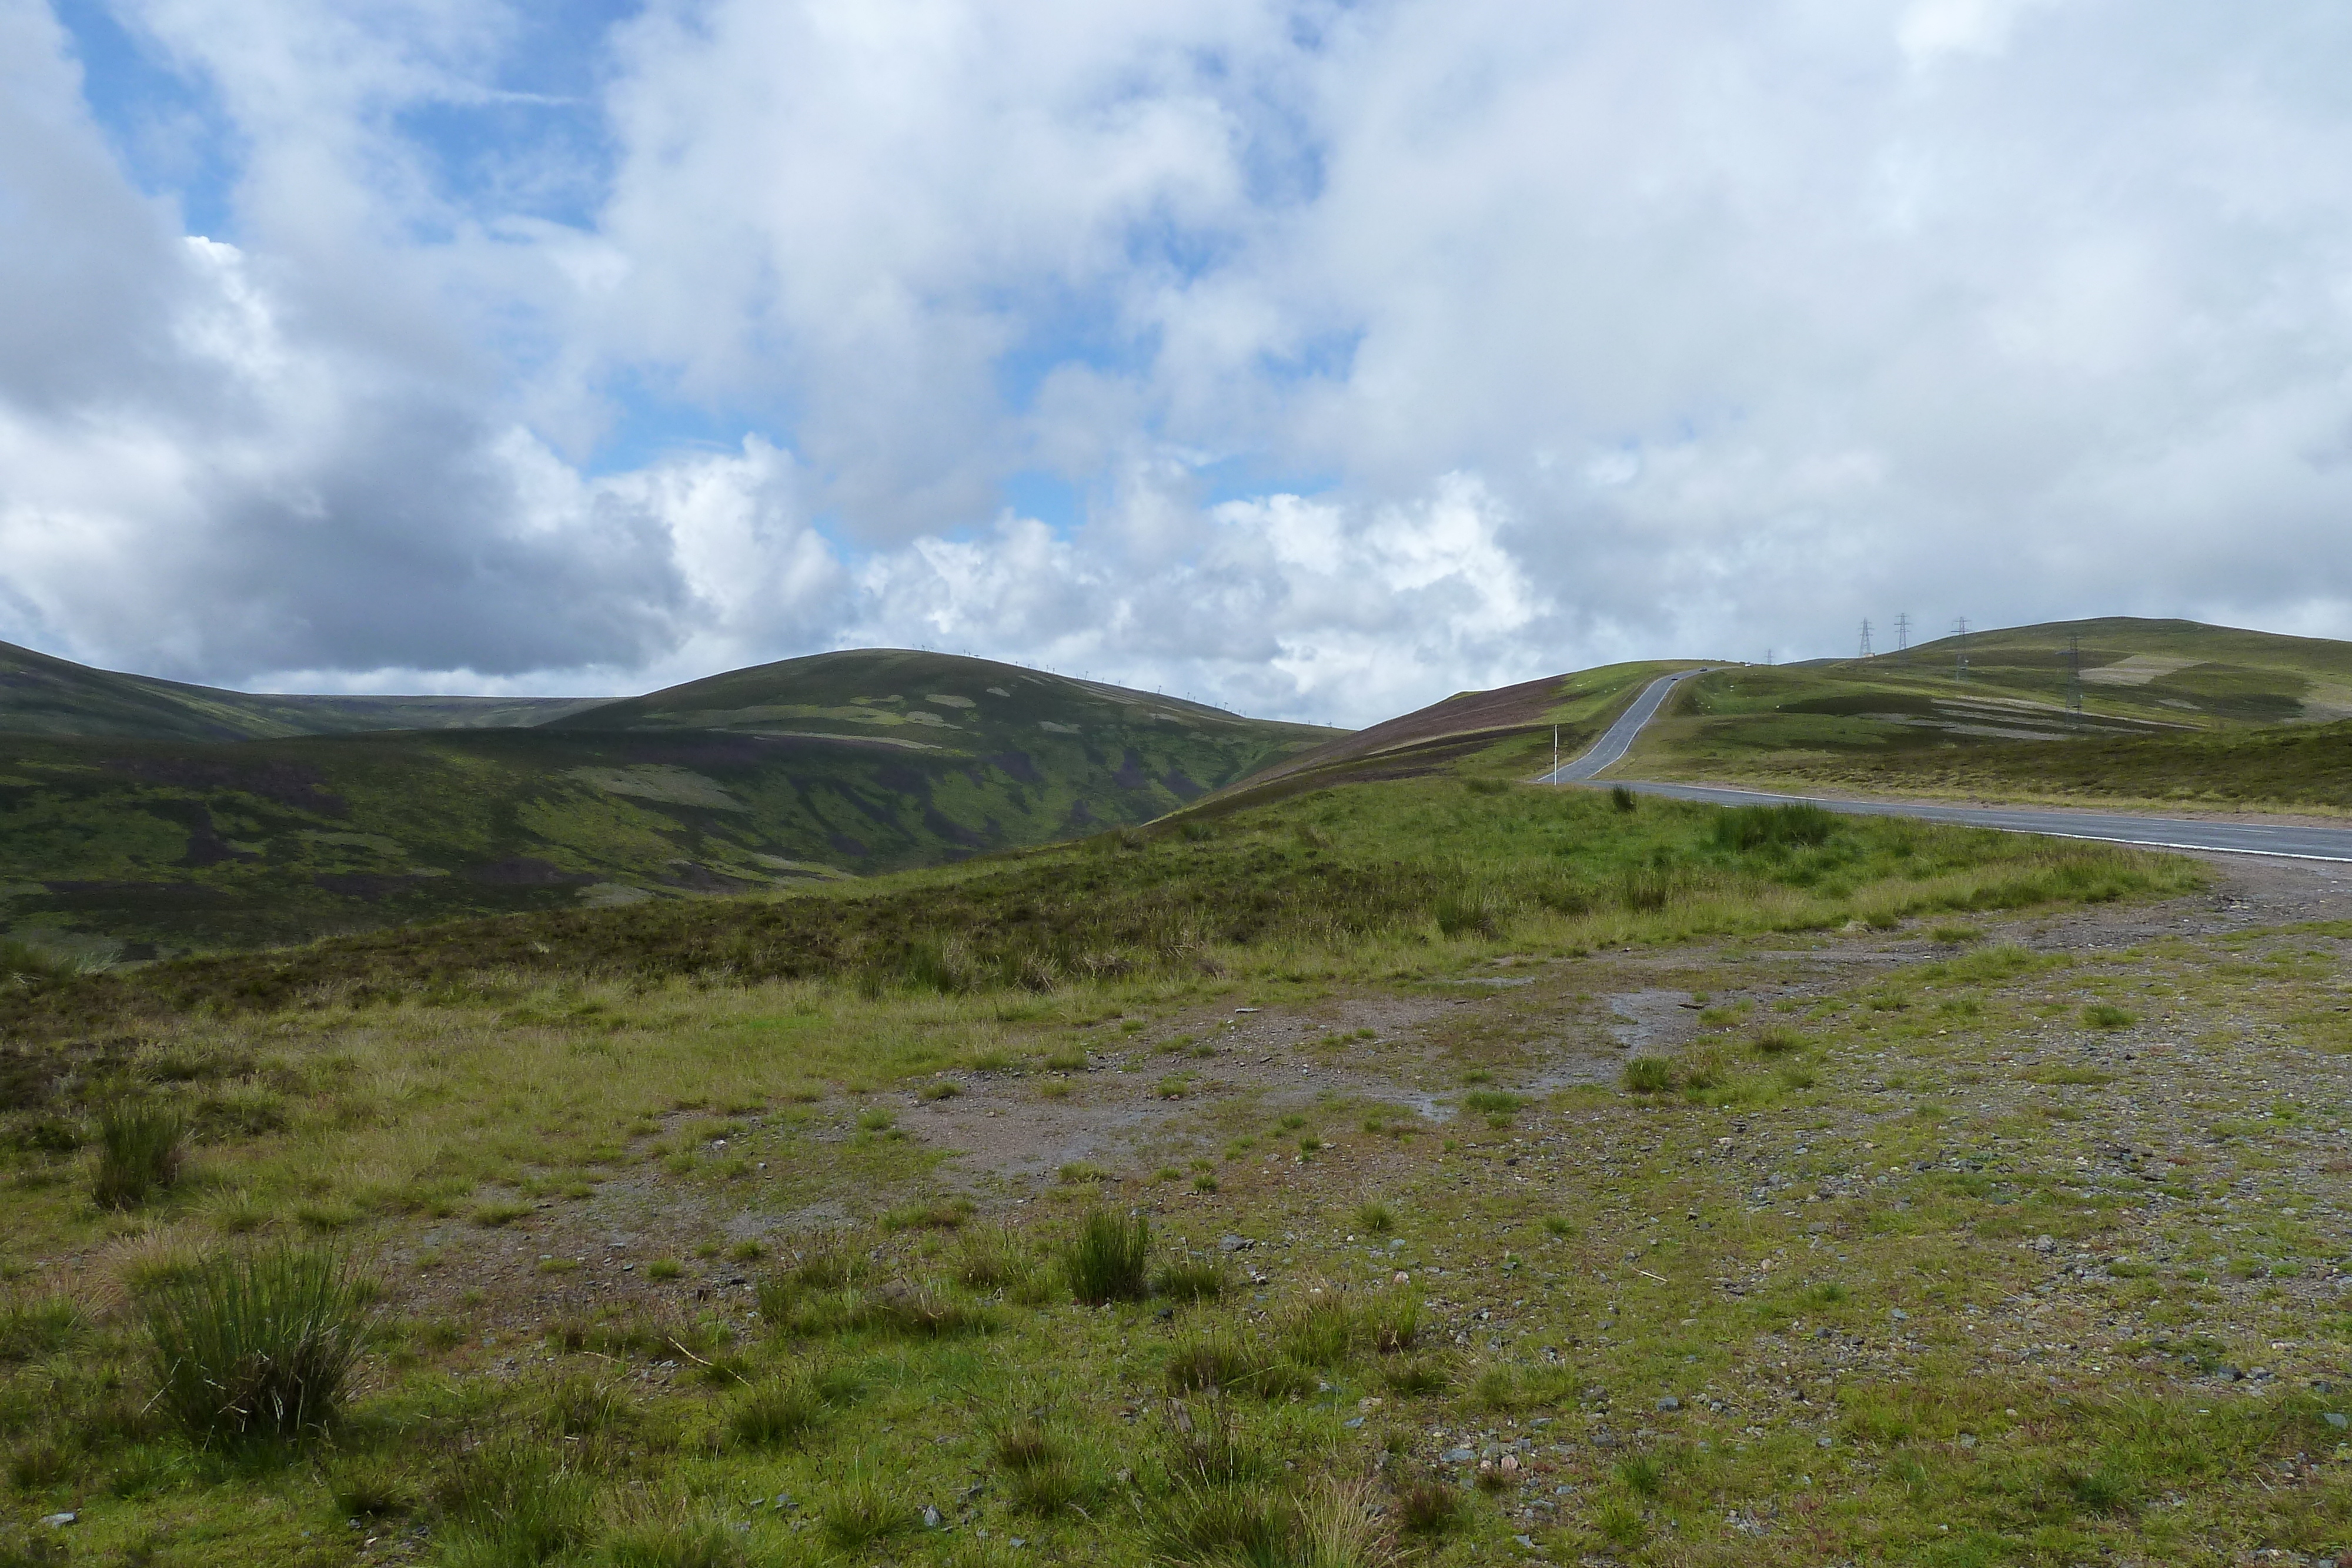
<point>1504,733</point>
<point>2141,709</point>
<point>44,696</point>
<point>840,765</point>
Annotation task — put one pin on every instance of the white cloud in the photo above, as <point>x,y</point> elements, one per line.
<point>1385,351</point>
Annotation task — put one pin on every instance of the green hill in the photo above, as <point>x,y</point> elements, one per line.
<point>841,765</point>
<point>2157,710</point>
<point>41,694</point>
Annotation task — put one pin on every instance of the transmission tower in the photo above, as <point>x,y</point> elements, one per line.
<point>1960,656</point>
<point>2073,678</point>
<point>1903,632</point>
<point>1865,637</point>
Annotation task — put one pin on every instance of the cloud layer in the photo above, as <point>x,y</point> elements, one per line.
<point>1320,359</point>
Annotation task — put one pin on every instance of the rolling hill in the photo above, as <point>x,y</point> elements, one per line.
<point>1500,734</point>
<point>839,765</point>
<point>2166,711</point>
<point>41,694</point>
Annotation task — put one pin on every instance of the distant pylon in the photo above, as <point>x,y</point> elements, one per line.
<point>1865,637</point>
<point>1960,655</point>
<point>2073,677</point>
<point>1903,632</point>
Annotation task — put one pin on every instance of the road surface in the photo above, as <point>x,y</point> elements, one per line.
<point>2292,840</point>
<point>1617,737</point>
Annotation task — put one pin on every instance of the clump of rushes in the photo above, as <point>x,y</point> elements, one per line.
<point>258,1346</point>
<point>1041,1476</point>
<point>1649,1075</point>
<point>1392,1320</point>
<point>1428,1505</point>
<point>1321,1331</point>
<point>513,1502</point>
<point>1376,1217</point>
<point>1108,1258</point>
<point>2106,1015</point>
<point>1778,1039</point>
<point>1191,1280</point>
<point>1210,1364</point>
<point>861,1511</point>
<point>138,1152</point>
<point>774,1414</point>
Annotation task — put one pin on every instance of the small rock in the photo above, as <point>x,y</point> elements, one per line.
<point>1821,1442</point>
<point>1526,1540</point>
<point>1353,1422</point>
<point>2231,1374</point>
<point>1968,1440</point>
<point>1234,1243</point>
<point>1670,1403</point>
<point>1400,1278</point>
<point>1457,1456</point>
<point>932,1520</point>
<point>60,1520</point>
<point>1899,1315</point>
<point>2338,1420</point>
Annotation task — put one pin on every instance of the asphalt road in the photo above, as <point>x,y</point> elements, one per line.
<point>1618,737</point>
<point>2282,839</point>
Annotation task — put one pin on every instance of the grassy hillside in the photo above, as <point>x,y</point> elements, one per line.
<point>2167,710</point>
<point>1503,734</point>
<point>146,846</point>
<point>44,696</point>
<point>1667,1185</point>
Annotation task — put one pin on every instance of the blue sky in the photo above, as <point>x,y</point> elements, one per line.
<point>1317,359</point>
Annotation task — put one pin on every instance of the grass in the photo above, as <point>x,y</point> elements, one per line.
<point>1108,1258</point>
<point>257,1346</point>
<point>1649,1075</point>
<point>1167,907</point>
<point>2222,717</point>
<point>344,833</point>
<point>139,1152</point>
<point>869,1368</point>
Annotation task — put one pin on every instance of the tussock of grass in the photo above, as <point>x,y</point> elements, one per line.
<point>1649,1075</point>
<point>509,1502</point>
<point>1192,1279</point>
<point>138,1152</point>
<point>784,1410</point>
<point>34,1327</point>
<point>861,1510</point>
<point>1108,1258</point>
<point>257,1346</point>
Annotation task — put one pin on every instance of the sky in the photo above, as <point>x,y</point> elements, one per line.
<point>1317,360</point>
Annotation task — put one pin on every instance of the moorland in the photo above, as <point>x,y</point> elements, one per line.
<point>2165,714</point>
<point>125,834</point>
<point>1378,1160</point>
